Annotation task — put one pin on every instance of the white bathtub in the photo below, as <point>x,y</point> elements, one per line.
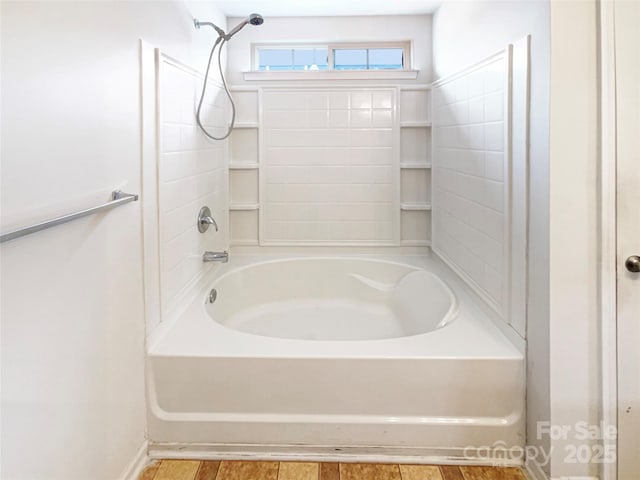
<point>332,299</point>
<point>311,356</point>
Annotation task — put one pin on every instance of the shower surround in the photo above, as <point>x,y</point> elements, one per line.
<point>313,349</point>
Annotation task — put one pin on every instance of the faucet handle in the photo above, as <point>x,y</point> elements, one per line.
<point>205,219</point>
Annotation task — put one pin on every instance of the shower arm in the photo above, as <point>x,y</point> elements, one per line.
<point>199,24</point>
<point>254,19</point>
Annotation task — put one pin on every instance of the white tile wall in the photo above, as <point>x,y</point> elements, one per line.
<point>330,171</point>
<point>192,172</point>
<point>469,189</point>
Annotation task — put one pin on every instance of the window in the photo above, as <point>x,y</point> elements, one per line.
<point>391,56</point>
<point>368,59</point>
<point>292,59</point>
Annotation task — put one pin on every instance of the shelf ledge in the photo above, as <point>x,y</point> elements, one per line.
<point>243,206</point>
<point>243,166</point>
<point>415,124</point>
<point>415,243</point>
<point>332,75</point>
<point>414,165</point>
<point>415,206</point>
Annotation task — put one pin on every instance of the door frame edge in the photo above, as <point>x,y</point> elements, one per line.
<point>608,225</point>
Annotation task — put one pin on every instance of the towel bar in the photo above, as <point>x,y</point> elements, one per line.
<point>117,198</point>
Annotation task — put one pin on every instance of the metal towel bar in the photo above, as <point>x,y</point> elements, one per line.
<point>118,198</point>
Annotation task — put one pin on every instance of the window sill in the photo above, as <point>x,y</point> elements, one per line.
<point>332,75</point>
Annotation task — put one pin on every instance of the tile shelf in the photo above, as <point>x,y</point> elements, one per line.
<point>415,124</point>
<point>243,166</point>
<point>415,165</point>
<point>415,243</point>
<point>415,206</point>
<point>243,206</point>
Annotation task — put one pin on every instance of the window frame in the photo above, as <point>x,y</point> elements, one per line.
<point>405,45</point>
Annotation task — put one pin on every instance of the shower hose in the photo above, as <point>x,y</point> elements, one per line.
<point>220,41</point>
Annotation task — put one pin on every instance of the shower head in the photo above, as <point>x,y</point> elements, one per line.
<point>256,19</point>
<point>253,19</point>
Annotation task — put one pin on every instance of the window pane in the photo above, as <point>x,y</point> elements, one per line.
<point>275,59</point>
<point>385,59</point>
<point>350,59</point>
<point>321,58</point>
<point>310,58</point>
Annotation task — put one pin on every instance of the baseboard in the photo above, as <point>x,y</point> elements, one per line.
<point>140,460</point>
<point>439,456</point>
<point>534,470</point>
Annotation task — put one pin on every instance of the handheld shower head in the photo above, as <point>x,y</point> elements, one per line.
<point>256,19</point>
<point>253,19</point>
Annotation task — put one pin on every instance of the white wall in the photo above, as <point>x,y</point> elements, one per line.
<point>574,231</point>
<point>72,311</point>
<point>333,29</point>
<point>465,32</point>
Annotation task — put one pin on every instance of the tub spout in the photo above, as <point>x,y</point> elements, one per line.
<point>215,257</point>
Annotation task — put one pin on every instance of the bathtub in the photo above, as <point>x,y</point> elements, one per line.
<point>333,356</point>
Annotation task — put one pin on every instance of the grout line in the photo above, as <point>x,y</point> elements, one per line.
<point>472,201</point>
<point>467,174</point>
<point>157,470</point>
<point>198,470</point>
<point>193,175</point>
<point>195,200</point>
<point>195,475</point>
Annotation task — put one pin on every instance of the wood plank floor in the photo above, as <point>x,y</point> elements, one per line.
<point>238,470</point>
